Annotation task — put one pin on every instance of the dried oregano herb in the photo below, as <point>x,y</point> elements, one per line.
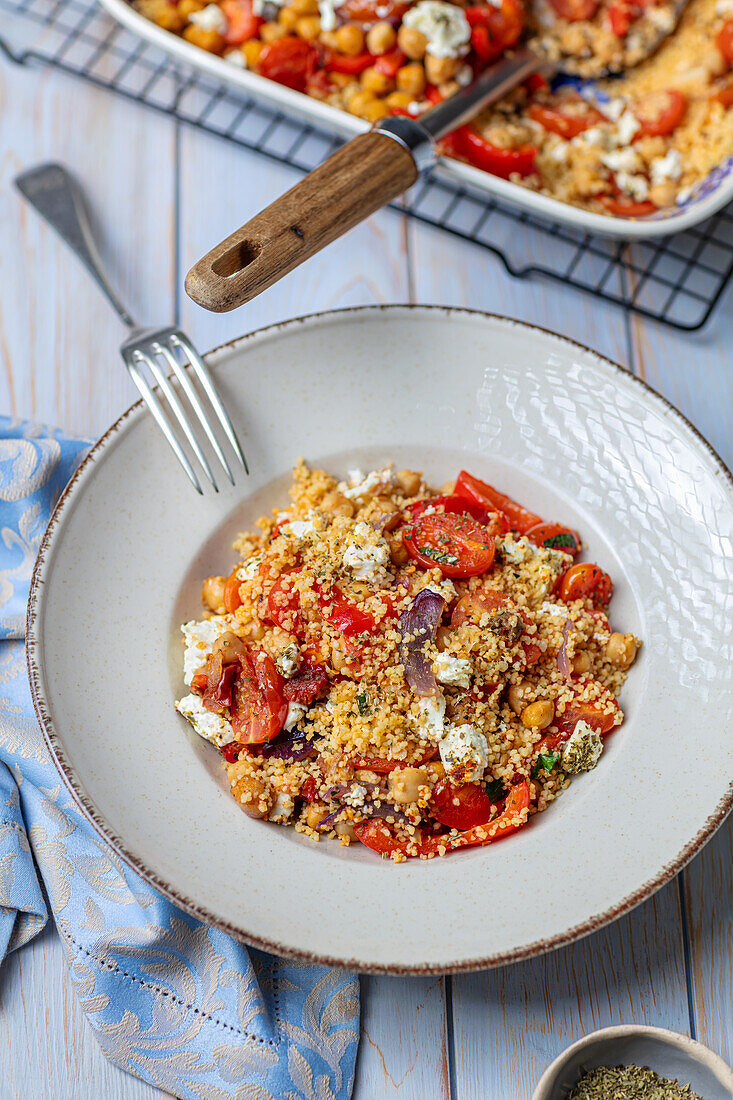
<point>629,1083</point>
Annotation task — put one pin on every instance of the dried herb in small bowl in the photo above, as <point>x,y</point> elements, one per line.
<point>629,1083</point>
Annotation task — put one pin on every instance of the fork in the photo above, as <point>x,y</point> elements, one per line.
<point>165,353</point>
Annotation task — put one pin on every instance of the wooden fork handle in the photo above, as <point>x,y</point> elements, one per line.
<point>356,180</point>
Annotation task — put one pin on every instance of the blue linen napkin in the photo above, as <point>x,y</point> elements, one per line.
<point>181,1005</point>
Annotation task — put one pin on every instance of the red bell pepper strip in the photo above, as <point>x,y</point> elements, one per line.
<point>479,152</point>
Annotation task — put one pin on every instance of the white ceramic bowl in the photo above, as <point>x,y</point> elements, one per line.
<point>715,192</point>
<point>666,1052</point>
<point>566,432</point>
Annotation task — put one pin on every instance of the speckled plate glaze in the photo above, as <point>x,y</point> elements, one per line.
<point>568,433</point>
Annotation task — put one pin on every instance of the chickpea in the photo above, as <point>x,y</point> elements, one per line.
<point>230,646</point>
<point>343,80</point>
<point>663,194</point>
<point>621,650</point>
<point>411,79</point>
<point>439,69</point>
<point>538,715</point>
<point>270,32</point>
<point>253,631</point>
<point>435,771</point>
<point>338,504</point>
<point>345,828</point>
<point>443,637</point>
<point>374,81</point>
<point>350,39</point>
<point>169,17</point>
<point>315,814</point>
<point>305,7</point>
<point>212,594</point>
<point>449,88</point>
<point>518,695</point>
<point>375,111</point>
<point>288,17</point>
<point>338,658</point>
<point>399,100</point>
<point>404,783</point>
<point>254,797</point>
<point>309,27</point>
<point>380,38</point>
<point>211,41</point>
<point>714,63</point>
<point>409,481</point>
<point>412,42</point>
<point>581,663</point>
<point>252,51</point>
<point>186,8</point>
<point>397,551</point>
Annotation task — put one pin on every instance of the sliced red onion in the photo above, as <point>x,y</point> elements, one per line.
<point>563,661</point>
<point>291,745</point>
<point>375,802</point>
<point>418,625</point>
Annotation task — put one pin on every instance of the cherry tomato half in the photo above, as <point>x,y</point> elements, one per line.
<point>456,544</point>
<point>574,11</point>
<point>566,120</point>
<point>621,16</point>
<point>258,709</point>
<point>232,599</point>
<point>309,683</point>
<point>343,615</point>
<point>659,113</point>
<point>388,64</point>
<point>283,604</point>
<point>385,764</point>
<point>480,492</point>
<point>583,712</point>
<point>494,28</point>
<point>622,207</point>
<point>556,537</point>
<point>346,63</point>
<point>724,40</point>
<point>242,23</point>
<point>371,11</point>
<point>725,95</point>
<point>289,61</point>
<point>495,521</point>
<point>460,807</point>
<point>469,144</point>
<point>585,581</point>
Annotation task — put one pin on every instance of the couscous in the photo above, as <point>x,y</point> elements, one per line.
<point>417,670</point>
<point>627,147</point>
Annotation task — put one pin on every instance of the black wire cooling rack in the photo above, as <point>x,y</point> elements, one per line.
<point>676,280</point>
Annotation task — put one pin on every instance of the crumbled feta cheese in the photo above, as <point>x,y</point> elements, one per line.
<point>360,487</point>
<point>613,108</point>
<point>668,167</point>
<point>444,25</point>
<point>329,22</point>
<point>236,58</point>
<point>298,528</point>
<point>626,128</point>
<point>621,160</point>
<point>258,6</point>
<point>582,750</point>
<point>248,570</point>
<point>452,671</point>
<point>212,727</point>
<point>635,186</point>
<point>683,195</point>
<point>415,108</point>
<point>724,7</point>
<point>366,555</point>
<point>199,639</point>
<point>296,711</point>
<point>288,662</point>
<point>283,808</point>
<point>559,151</point>
<point>664,19</point>
<point>465,753</point>
<point>559,612</point>
<point>464,76</point>
<point>614,137</point>
<point>356,796</point>
<point>444,588</point>
<point>210,18</point>
<point>516,551</point>
<point>431,718</point>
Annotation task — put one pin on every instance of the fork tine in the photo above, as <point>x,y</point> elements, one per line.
<point>195,402</point>
<point>173,400</point>
<point>153,404</point>
<point>204,377</point>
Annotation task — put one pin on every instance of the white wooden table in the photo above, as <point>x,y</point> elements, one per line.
<point>163,195</point>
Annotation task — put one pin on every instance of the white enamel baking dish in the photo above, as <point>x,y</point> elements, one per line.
<point>715,192</point>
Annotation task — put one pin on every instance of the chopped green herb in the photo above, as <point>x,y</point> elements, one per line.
<point>495,790</point>
<point>545,762</point>
<point>443,559</point>
<point>557,542</point>
<point>629,1083</point>
<point>362,702</point>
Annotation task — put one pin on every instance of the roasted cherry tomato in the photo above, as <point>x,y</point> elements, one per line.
<point>621,16</point>
<point>372,11</point>
<point>460,807</point>
<point>352,65</point>
<point>385,764</point>
<point>319,85</point>
<point>585,581</point>
<point>556,537</point>
<point>259,708</point>
<point>469,144</point>
<point>231,751</point>
<point>725,95</point>
<point>232,599</point>
<point>309,683</point>
<point>388,64</point>
<point>487,601</point>
<point>309,790</point>
<point>659,113</point>
<point>622,207</point>
<point>574,11</point>
<point>584,712</point>
<point>283,604</point>
<point>480,492</point>
<point>568,119</point>
<point>377,836</point>
<point>346,617</point>
<point>495,521</point>
<point>494,28</point>
<point>289,61</point>
<point>455,544</point>
<point>724,40</point>
<point>242,23</point>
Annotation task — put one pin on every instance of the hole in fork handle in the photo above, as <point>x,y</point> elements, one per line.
<point>236,258</point>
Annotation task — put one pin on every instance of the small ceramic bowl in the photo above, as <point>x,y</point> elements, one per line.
<point>667,1053</point>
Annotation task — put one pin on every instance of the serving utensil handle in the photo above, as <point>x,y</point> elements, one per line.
<point>358,179</point>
